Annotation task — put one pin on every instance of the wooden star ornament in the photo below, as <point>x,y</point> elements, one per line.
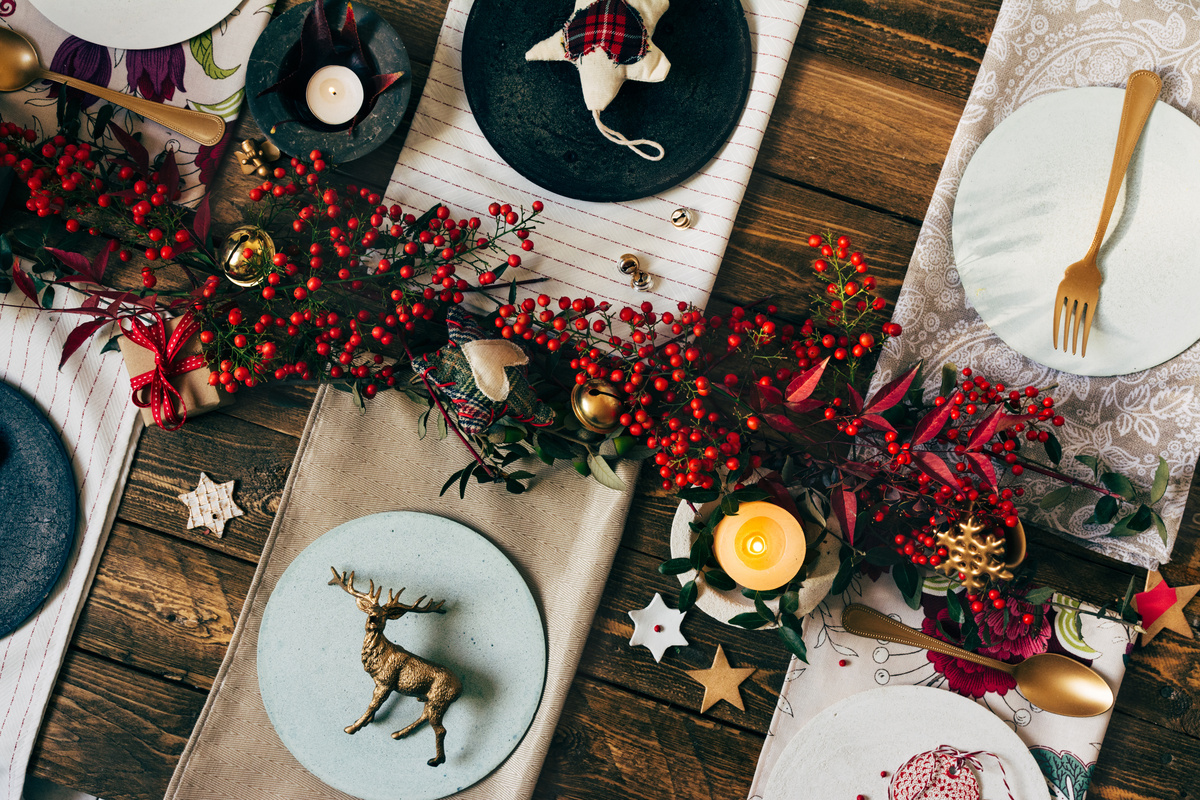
<point>1161,607</point>
<point>210,505</point>
<point>721,682</point>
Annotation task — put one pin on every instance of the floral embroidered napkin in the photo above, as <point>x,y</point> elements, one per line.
<point>1039,47</point>
<point>206,73</point>
<point>1065,748</point>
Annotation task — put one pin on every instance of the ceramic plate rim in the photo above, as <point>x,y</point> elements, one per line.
<point>155,28</point>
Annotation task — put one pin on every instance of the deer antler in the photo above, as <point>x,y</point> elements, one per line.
<point>347,583</point>
<point>394,608</point>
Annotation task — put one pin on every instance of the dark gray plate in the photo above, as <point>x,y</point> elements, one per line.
<point>533,113</point>
<point>38,507</point>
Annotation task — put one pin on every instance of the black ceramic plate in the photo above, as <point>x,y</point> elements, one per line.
<point>37,507</point>
<point>277,50</point>
<point>533,113</point>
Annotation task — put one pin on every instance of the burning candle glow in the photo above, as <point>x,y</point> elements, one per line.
<point>761,547</point>
<point>334,94</point>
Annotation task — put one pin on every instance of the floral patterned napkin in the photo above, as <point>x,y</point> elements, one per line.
<point>206,73</point>
<point>1039,47</point>
<point>842,664</point>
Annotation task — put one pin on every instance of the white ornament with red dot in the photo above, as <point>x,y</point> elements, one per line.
<point>656,627</point>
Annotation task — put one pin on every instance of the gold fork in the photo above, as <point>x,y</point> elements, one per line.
<point>1079,291</point>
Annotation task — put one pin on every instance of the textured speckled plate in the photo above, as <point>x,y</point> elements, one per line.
<point>135,24</point>
<point>312,680</point>
<point>37,507</point>
<point>533,113</point>
<point>842,750</point>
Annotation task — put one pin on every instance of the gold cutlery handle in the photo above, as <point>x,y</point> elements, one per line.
<point>867,622</point>
<point>201,126</point>
<point>1141,92</point>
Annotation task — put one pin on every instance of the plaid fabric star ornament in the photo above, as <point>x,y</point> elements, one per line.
<point>484,379</point>
<point>610,42</point>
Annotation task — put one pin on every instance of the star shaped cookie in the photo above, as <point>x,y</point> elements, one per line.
<point>656,627</point>
<point>210,505</point>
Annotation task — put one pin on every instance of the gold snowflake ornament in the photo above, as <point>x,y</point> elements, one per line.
<point>974,558</point>
<point>210,505</point>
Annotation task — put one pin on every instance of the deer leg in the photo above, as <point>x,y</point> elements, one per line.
<point>439,731</point>
<point>381,693</point>
<point>400,734</point>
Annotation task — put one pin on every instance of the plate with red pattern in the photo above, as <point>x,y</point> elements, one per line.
<point>857,747</point>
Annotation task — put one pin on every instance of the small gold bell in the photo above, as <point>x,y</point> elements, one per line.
<point>251,269</point>
<point>254,157</point>
<point>598,405</point>
<point>681,218</point>
<point>629,264</point>
<point>642,281</point>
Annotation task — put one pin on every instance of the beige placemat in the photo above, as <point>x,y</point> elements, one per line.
<point>562,535</point>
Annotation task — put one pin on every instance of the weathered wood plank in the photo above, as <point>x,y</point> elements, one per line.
<point>227,448</point>
<point>163,605</point>
<point>112,731</point>
<point>611,745</point>
<point>1142,762</point>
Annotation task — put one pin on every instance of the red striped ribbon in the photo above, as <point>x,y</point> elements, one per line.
<point>153,389</point>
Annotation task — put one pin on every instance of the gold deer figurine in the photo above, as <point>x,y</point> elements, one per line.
<point>394,669</point>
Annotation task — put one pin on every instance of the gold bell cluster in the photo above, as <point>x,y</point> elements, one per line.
<point>597,405</point>
<point>973,557</point>
<point>631,265</point>
<point>255,156</point>
<point>246,257</point>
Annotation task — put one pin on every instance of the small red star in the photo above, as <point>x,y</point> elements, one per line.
<point>1161,606</point>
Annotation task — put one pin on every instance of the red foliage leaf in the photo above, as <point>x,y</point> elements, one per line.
<point>891,393</point>
<point>804,384</point>
<point>203,220</point>
<point>860,469</point>
<point>802,406</point>
<point>132,146</point>
<point>982,466</point>
<point>781,423</point>
<point>77,337</point>
<point>932,423</point>
<point>772,483</point>
<point>856,401</point>
<point>933,466</point>
<point>86,271</point>
<point>379,84</point>
<point>877,422</point>
<point>170,175</point>
<point>24,282</point>
<point>764,397</point>
<point>986,429</point>
<point>845,508</point>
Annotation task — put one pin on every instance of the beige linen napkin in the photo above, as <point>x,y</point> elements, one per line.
<point>562,535</point>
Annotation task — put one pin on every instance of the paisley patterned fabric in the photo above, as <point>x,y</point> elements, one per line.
<point>1039,47</point>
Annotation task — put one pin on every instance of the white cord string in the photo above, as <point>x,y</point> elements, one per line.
<point>619,138</point>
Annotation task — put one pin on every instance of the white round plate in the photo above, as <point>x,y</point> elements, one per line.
<point>135,24</point>
<point>311,676</point>
<point>841,752</point>
<point>1028,205</point>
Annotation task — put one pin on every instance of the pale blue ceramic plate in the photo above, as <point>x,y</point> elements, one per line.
<point>313,683</point>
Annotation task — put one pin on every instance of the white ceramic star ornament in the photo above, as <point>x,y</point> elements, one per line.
<point>210,505</point>
<point>610,41</point>
<point>656,627</point>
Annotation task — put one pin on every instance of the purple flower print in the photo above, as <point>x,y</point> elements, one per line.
<point>156,74</point>
<point>83,60</point>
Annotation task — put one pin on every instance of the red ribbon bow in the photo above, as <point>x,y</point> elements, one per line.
<point>153,389</point>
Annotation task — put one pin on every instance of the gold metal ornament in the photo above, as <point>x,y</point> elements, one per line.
<point>973,557</point>
<point>629,264</point>
<point>243,271</point>
<point>682,218</point>
<point>254,157</point>
<point>598,405</point>
<point>394,669</point>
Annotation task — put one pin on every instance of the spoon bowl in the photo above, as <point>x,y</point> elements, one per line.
<point>1052,682</point>
<point>20,66</point>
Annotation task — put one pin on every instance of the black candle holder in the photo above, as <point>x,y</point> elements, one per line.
<point>283,114</point>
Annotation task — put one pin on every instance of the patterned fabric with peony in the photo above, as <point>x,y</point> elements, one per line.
<point>484,379</point>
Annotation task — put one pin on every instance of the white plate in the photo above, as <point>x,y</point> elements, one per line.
<point>1028,205</point>
<point>135,24</point>
<point>841,752</point>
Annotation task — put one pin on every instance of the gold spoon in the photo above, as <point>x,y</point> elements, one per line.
<point>19,67</point>
<point>1050,681</point>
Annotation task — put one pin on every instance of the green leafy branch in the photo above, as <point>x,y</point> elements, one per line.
<point>1130,507</point>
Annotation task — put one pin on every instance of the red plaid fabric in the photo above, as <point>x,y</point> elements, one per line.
<point>610,25</point>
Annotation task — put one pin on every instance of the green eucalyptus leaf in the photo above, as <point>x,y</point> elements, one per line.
<point>1161,526</point>
<point>717,579</point>
<point>1055,498</point>
<point>949,378</point>
<point>1161,476</point>
<point>695,494</point>
<point>112,344</point>
<point>450,482</point>
<point>514,487</point>
<point>845,572</point>
<point>750,621</point>
<point>1105,510</point>
<point>790,602</point>
<point>675,566</point>
<point>1115,482</point>
<point>909,582</point>
<point>1091,462</point>
<point>700,553</point>
<point>794,642</point>
<point>1141,519</point>
<point>1039,595</point>
<point>762,610</point>
<point>422,422</point>
<point>443,431</point>
<point>687,596</point>
<point>1053,449</point>
<point>884,557</point>
<point>954,607</point>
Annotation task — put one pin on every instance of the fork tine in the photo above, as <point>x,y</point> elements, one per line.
<point>1078,316</point>
<point>1087,328</point>
<point>1058,307</point>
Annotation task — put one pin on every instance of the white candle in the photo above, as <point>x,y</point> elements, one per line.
<point>334,95</point>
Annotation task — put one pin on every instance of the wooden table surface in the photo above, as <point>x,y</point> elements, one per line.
<point>863,121</point>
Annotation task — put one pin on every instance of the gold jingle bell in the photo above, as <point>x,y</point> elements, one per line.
<point>248,271</point>
<point>254,157</point>
<point>598,405</point>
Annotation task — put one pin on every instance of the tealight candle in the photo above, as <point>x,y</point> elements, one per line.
<point>334,94</point>
<point>761,547</point>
